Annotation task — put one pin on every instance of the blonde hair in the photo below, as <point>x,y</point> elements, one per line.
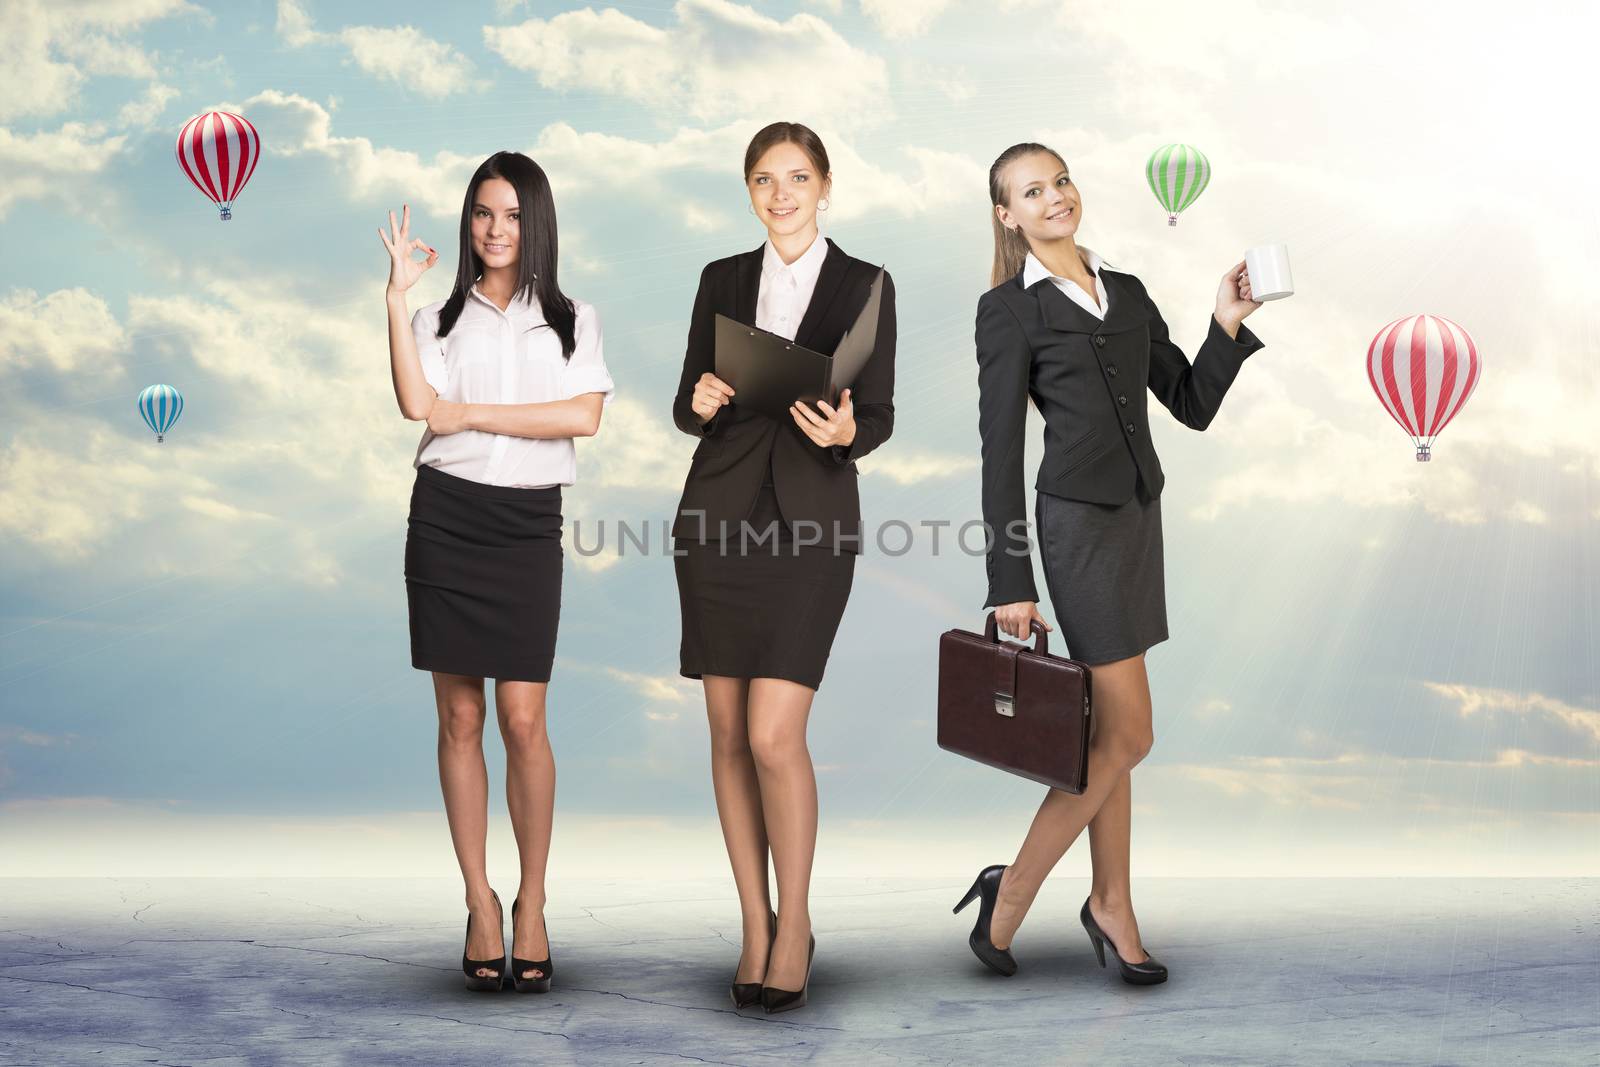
<point>1010,246</point>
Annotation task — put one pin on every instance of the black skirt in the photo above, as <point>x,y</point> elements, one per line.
<point>1103,566</point>
<point>483,577</point>
<point>759,606</point>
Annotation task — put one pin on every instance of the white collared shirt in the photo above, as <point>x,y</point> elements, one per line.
<point>1033,270</point>
<point>786,288</point>
<point>506,357</point>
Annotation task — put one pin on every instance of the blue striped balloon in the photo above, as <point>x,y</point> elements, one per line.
<point>160,405</point>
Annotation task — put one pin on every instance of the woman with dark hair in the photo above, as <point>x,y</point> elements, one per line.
<point>507,371</point>
<point>1084,342</point>
<point>765,542</point>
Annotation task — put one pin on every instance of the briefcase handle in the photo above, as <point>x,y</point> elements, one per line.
<point>1041,641</point>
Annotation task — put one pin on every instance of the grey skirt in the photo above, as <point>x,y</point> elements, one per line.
<point>1104,571</point>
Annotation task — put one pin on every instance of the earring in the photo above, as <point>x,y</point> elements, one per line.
<point>750,208</point>
<point>823,206</point>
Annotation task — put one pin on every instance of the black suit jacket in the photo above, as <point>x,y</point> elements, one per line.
<point>813,485</point>
<point>1088,379</point>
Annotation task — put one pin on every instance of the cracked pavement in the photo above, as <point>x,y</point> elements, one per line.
<point>1357,971</point>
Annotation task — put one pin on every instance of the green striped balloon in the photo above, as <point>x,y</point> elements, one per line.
<point>1177,173</point>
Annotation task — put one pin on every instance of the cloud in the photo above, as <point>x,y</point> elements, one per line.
<point>64,162</point>
<point>238,476</point>
<point>718,61</point>
<point>1357,781</point>
<point>49,51</point>
<point>670,688</point>
<point>903,18</point>
<point>912,466</point>
<point>1474,700</point>
<point>142,112</point>
<point>369,172</point>
<point>403,55</point>
<point>68,330</point>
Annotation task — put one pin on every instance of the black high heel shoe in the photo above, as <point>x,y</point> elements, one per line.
<point>745,994</point>
<point>774,1000</point>
<point>987,886</point>
<point>476,982</point>
<point>1149,972</point>
<point>540,984</point>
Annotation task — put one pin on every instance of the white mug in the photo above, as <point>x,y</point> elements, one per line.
<point>1268,267</point>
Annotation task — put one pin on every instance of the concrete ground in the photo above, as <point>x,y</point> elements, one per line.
<point>1264,971</point>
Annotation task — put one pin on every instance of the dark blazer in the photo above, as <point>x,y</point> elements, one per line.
<point>1088,379</point>
<point>814,485</point>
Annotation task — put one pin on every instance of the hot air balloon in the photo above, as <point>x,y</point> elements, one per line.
<point>219,151</point>
<point>1177,174</point>
<point>1423,368</point>
<point>160,405</point>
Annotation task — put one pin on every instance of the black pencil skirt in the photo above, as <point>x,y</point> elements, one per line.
<point>483,577</point>
<point>760,608</point>
<point>1104,569</point>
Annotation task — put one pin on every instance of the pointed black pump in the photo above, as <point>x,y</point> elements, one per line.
<point>987,887</point>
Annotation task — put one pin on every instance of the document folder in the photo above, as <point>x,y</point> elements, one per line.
<point>769,372</point>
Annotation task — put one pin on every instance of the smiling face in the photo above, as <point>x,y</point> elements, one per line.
<point>496,224</point>
<point>1043,202</point>
<point>784,189</point>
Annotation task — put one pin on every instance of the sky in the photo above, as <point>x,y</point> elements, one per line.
<point>1376,666</point>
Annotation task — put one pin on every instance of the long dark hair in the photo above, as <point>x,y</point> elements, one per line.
<point>1010,246</point>
<point>537,247</point>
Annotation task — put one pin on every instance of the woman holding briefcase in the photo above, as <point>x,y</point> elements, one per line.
<point>1083,341</point>
<point>765,542</point>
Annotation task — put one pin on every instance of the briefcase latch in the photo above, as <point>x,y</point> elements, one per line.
<point>1005,705</point>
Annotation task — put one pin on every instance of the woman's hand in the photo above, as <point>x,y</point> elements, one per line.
<point>833,427</point>
<point>403,270</point>
<point>447,416</point>
<point>710,393</point>
<point>1233,298</point>
<point>1016,620</point>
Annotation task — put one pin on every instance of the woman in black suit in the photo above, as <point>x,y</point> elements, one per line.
<point>1084,341</point>
<point>765,541</point>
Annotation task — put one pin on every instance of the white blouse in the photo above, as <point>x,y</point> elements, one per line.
<point>786,288</point>
<point>506,357</point>
<point>1033,270</point>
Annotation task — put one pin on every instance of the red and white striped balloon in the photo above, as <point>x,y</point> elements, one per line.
<point>1423,368</point>
<point>219,151</point>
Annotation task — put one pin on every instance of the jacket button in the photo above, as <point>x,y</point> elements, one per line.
<point>1111,369</point>
<point>1129,426</point>
<point>1100,340</point>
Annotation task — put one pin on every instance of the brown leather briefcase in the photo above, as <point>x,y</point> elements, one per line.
<point>1014,707</point>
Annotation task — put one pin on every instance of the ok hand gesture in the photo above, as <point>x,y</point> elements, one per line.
<point>403,270</point>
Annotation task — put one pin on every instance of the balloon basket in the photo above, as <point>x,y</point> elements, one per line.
<point>1172,220</point>
<point>1424,453</point>
<point>227,213</point>
<point>160,437</point>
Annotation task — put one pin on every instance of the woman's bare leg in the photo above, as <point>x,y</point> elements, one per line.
<point>465,781</point>
<point>738,792</point>
<point>778,713</point>
<point>1122,737</point>
<point>1111,897</point>
<point>531,799</point>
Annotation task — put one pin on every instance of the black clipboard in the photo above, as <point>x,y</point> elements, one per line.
<point>769,372</point>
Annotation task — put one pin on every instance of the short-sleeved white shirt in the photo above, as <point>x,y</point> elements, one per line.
<point>506,357</point>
